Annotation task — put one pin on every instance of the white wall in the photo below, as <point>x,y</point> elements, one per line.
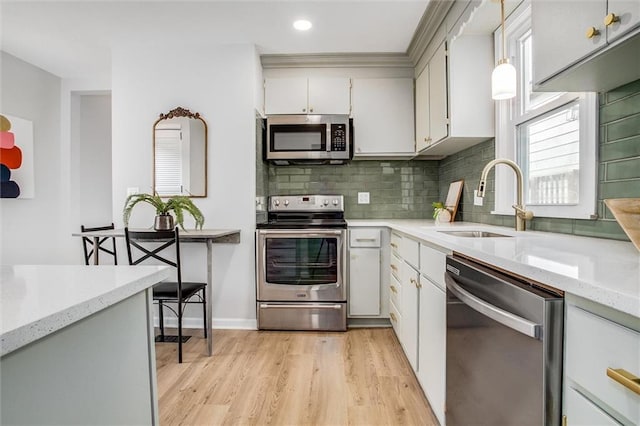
<point>37,230</point>
<point>220,83</point>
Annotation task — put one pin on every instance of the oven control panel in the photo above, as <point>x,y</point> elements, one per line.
<point>309,203</point>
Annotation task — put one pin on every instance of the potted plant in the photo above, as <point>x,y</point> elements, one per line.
<point>440,212</point>
<point>164,219</point>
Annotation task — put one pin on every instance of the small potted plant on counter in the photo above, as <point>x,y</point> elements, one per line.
<point>440,212</point>
<point>164,219</point>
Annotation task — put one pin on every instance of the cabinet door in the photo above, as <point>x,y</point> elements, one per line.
<point>364,281</point>
<point>438,113</point>
<point>329,95</point>
<point>432,341</point>
<point>383,115</point>
<point>559,31</point>
<point>582,412</point>
<point>628,16</point>
<point>285,95</point>
<point>409,308</point>
<point>422,110</point>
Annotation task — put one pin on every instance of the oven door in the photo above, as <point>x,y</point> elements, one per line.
<point>301,265</point>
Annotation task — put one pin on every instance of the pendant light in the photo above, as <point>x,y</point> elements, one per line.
<point>503,77</point>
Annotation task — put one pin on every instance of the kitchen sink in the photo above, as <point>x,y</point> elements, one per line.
<point>474,234</point>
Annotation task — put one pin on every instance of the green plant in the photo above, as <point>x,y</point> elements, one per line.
<point>437,207</point>
<point>178,205</point>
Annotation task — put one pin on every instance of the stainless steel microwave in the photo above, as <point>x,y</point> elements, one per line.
<point>315,139</point>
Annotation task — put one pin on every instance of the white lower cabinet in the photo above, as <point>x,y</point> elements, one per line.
<point>432,340</point>
<point>583,412</point>
<point>601,343</point>
<point>409,308</point>
<point>364,272</point>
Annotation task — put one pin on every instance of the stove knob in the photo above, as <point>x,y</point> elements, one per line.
<point>335,202</point>
<point>276,202</point>
<point>325,202</point>
<point>286,202</point>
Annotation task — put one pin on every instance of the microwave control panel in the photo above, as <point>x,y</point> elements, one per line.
<point>338,137</point>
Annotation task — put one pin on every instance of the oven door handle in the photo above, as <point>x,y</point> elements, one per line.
<point>505,318</point>
<point>299,306</point>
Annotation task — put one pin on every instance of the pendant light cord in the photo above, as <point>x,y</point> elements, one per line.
<point>504,41</point>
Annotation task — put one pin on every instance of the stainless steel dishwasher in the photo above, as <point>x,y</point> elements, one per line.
<point>504,348</point>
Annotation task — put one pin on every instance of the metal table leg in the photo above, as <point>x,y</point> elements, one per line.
<point>209,293</point>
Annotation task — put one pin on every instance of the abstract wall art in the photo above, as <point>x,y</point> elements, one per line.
<point>16,157</point>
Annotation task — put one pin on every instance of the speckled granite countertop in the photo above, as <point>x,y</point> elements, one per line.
<point>38,300</point>
<point>604,271</point>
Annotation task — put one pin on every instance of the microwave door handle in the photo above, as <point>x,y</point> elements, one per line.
<point>505,318</point>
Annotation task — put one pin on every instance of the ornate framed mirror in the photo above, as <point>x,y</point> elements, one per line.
<point>180,154</point>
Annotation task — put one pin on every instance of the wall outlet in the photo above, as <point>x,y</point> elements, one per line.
<point>363,198</point>
<point>133,190</point>
<point>477,201</point>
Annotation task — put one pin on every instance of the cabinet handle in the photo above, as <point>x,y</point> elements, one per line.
<point>310,109</point>
<point>394,267</point>
<point>304,110</point>
<point>366,239</point>
<point>416,283</point>
<point>393,317</point>
<point>625,378</point>
<point>395,246</point>
<point>394,289</point>
<point>592,32</point>
<point>610,19</point>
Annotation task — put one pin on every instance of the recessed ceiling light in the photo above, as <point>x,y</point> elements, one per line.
<point>302,25</point>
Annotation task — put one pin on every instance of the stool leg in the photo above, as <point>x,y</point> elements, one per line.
<point>161,315</point>
<point>204,312</point>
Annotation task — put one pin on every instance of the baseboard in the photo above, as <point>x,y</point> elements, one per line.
<point>368,322</point>
<point>219,323</point>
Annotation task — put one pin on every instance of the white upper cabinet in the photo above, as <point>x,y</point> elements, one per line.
<point>456,102</point>
<point>585,46</point>
<point>301,95</point>
<point>423,130</point>
<point>382,116</point>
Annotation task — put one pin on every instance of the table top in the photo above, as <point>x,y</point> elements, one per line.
<point>37,300</point>
<point>189,235</point>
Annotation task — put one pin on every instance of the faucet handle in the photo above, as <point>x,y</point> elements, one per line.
<point>521,212</point>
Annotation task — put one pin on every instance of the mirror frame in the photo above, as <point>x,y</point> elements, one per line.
<point>175,113</point>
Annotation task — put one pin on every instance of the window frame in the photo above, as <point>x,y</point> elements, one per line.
<point>508,117</point>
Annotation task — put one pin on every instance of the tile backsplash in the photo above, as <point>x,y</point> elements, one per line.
<point>406,189</point>
<point>397,189</point>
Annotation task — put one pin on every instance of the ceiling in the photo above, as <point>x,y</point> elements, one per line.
<point>73,39</point>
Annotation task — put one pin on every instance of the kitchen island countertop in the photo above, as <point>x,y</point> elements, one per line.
<point>604,271</point>
<point>38,300</point>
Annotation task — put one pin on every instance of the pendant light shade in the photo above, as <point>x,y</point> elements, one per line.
<point>503,81</point>
<point>503,77</point>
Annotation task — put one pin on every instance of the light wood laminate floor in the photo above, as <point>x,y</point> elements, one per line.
<point>360,377</point>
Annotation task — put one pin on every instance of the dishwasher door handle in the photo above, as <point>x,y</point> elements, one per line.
<point>505,318</point>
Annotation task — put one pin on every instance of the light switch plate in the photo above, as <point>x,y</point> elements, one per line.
<point>363,198</point>
<point>477,201</point>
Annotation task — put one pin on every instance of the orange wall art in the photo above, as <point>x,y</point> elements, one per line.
<point>16,157</point>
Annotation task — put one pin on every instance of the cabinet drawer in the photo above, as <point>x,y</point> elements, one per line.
<point>582,412</point>
<point>395,265</point>
<point>395,290</point>
<point>595,344</point>
<point>364,238</point>
<point>396,241</point>
<point>396,320</point>
<point>432,264</point>
<point>410,251</point>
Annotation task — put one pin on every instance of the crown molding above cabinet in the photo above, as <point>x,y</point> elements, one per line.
<point>337,60</point>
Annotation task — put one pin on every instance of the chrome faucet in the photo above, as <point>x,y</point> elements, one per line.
<point>521,213</point>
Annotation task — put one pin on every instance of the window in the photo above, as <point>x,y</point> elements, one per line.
<point>551,135</point>
<point>168,157</point>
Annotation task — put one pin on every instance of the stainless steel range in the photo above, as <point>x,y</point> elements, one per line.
<point>301,264</point>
